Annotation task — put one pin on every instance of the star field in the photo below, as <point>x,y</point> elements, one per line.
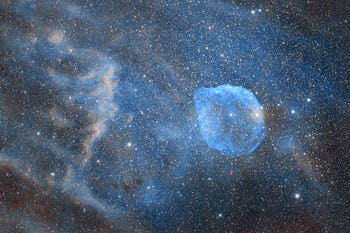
<point>102,129</point>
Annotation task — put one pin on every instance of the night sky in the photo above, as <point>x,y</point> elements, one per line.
<point>174,116</point>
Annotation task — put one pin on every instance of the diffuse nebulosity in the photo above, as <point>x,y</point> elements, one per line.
<point>146,112</point>
<point>230,119</point>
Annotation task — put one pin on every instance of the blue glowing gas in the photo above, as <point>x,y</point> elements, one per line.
<point>230,119</point>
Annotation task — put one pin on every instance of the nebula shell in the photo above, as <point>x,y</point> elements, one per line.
<point>230,119</point>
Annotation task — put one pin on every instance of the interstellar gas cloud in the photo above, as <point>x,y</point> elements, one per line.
<point>174,116</point>
<point>231,119</point>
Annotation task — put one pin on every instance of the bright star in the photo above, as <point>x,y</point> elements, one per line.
<point>297,196</point>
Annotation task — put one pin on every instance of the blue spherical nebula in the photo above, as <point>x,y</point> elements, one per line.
<point>230,119</point>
